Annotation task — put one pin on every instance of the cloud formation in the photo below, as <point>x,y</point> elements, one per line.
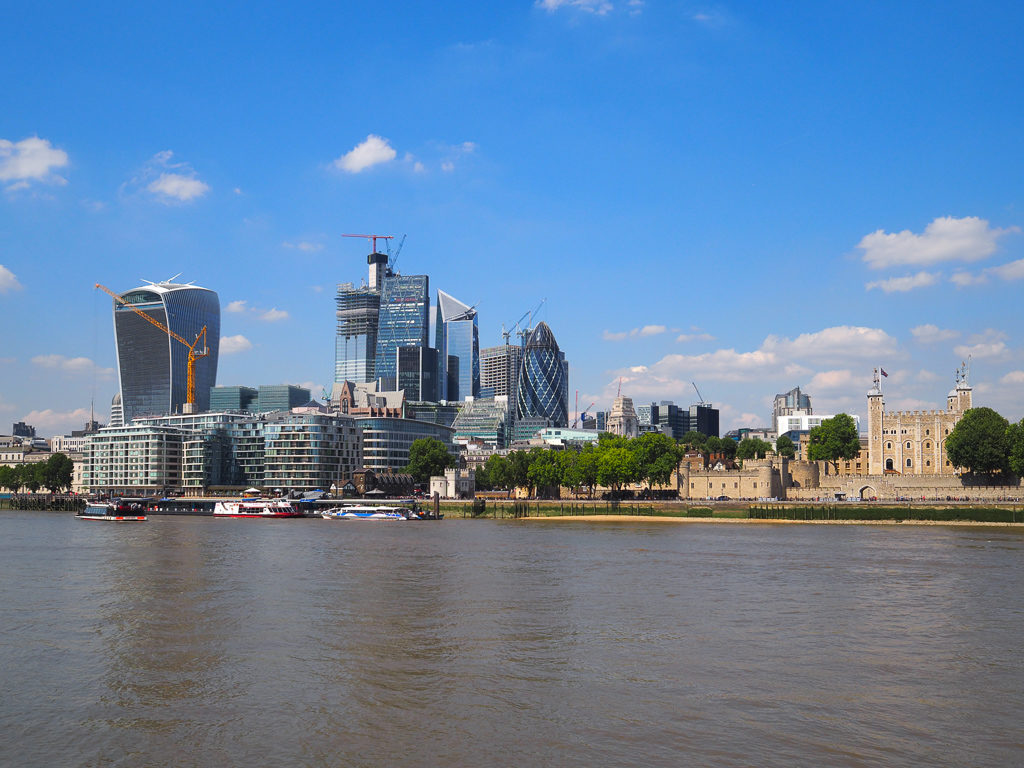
<point>990,343</point>
<point>273,315</point>
<point>236,306</point>
<point>374,151</point>
<point>647,330</point>
<point>1013,270</point>
<point>932,334</point>
<point>944,239</point>
<point>28,160</point>
<point>73,365</point>
<point>231,345</point>
<point>168,181</point>
<point>303,245</point>
<point>904,284</point>
<point>8,282</point>
<point>50,422</point>
<point>177,186</point>
<point>599,7</point>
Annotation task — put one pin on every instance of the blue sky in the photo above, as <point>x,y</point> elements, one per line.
<point>746,195</point>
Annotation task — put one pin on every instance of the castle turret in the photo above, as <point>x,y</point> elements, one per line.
<point>876,407</point>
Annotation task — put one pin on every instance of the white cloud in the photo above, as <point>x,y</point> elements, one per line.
<point>238,305</point>
<point>1013,377</point>
<point>964,279</point>
<point>904,284</point>
<point>990,343</point>
<point>932,334</point>
<point>373,151</point>
<point>839,342</point>
<point>273,315</point>
<point>31,159</point>
<point>600,7</point>
<point>304,245</point>
<point>8,282</point>
<point>944,239</point>
<point>840,379</point>
<point>74,365</point>
<point>230,345</point>
<point>642,332</point>
<point>447,166</point>
<point>418,167</point>
<point>49,422</point>
<point>177,186</point>
<point>683,338</point>
<point>1013,270</point>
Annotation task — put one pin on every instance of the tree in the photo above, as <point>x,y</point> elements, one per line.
<point>8,478</point>
<point>752,448</point>
<point>568,469</point>
<point>694,439</point>
<point>616,467</point>
<point>497,471</point>
<point>482,479</point>
<point>834,439</point>
<point>713,444</point>
<point>657,457</point>
<point>544,474</point>
<point>785,447</point>
<point>587,464</point>
<point>1015,442</point>
<point>427,458</point>
<point>979,442</point>
<point>58,472</point>
<point>518,466</point>
<point>31,475</point>
<point>728,447</point>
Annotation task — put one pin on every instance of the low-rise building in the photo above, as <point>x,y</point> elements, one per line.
<point>455,484</point>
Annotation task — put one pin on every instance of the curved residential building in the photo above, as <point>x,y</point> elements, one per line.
<point>151,365</point>
<point>542,391</point>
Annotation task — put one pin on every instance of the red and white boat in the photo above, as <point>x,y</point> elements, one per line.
<point>255,508</point>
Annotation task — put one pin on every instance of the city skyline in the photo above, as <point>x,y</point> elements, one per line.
<point>745,197</point>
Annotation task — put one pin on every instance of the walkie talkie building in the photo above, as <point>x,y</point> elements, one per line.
<point>152,366</point>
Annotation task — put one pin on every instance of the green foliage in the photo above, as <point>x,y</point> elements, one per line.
<point>834,439</point>
<point>1015,443</point>
<point>518,467</point>
<point>728,446</point>
<point>752,448</point>
<point>587,465</point>
<point>544,473</point>
<point>616,467</point>
<point>58,473</point>
<point>497,471</point>
<point>785,447</point>
<point>694,439</point>
<point>979,442</point>
<point>657,456</point>
<point>428,457</point>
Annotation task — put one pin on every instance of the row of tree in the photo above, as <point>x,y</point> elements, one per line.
<point>54,474</point>
<point>983,441</point>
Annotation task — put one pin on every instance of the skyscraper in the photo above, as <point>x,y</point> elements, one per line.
<point>355,345</point>
<point>543,386</point>
<point>402,322</point>
<point>457,335</point>
<point>499,367</point>
<point>152,366</point>
<point>417,373</point>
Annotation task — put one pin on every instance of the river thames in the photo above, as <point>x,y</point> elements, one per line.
<point>189,641</point>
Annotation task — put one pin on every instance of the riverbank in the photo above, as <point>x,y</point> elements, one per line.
<point>755,521</point>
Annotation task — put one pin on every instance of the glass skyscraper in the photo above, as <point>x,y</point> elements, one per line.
<point>152,366</point>
<point>355,345</point>
<point>457,335</point>
<point>542,391</point>
<point>402,322</point>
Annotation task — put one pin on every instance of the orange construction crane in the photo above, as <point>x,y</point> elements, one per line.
<point>374,239</point>
<point>193,355</point>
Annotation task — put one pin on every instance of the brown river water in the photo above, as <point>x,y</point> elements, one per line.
<point>191,641</point>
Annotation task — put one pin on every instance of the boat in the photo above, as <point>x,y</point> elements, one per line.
<point>369,512</point>
<point>255,508</point>
<point>111,512</point>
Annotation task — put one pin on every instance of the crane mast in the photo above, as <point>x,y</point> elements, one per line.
<point>193,355</point>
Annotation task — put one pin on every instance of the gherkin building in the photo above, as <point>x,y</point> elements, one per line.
<point>543,386</point>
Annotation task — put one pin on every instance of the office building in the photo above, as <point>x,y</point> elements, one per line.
<point>233,398</point>
<point>438,413</point>
<point>622,419</point>
<point>703,418</point>
<point>281,397</point>
<point>458,336</point>
<point>153,366</point>
<point>386,441</point>
<point>542,391</point>
<point>355,343</point>
<point>792,403</point>
<point>499,369</point>
<point>417,373</point>
<point>484,421</point>
<point>402,322</point>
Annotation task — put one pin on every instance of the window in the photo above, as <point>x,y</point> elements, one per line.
<point>908,446</point>
<point>888,446</point>
<point>908,462</point>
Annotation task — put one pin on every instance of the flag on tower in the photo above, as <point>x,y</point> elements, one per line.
<point>884,373</point>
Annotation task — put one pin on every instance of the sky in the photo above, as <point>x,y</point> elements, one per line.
<point>744,196</point>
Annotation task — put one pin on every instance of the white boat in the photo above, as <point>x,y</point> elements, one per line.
<point>369,512</point>
<point>255,508</point>
<point>112,513</point>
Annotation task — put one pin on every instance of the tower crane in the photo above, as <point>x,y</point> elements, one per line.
<point>699,395</point>
<point>193,353</point>
<point>375,238</point>
<point>529,323</point>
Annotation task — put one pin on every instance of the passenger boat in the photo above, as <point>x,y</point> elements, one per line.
<point>255,508</point>
<point>112,513</point>
<point>369,513</point>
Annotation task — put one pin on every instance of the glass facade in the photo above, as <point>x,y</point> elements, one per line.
<point>281,397</point>
<point>498,369</point>
<point>152,366</point>
<point>417,373</point>
<point>543,387</point>
<point>386,442</point>
<point>232,398</point>
<point>457,335</point>
<point>485,420</point>
<point>402,322</point>
<point>355,346</point>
